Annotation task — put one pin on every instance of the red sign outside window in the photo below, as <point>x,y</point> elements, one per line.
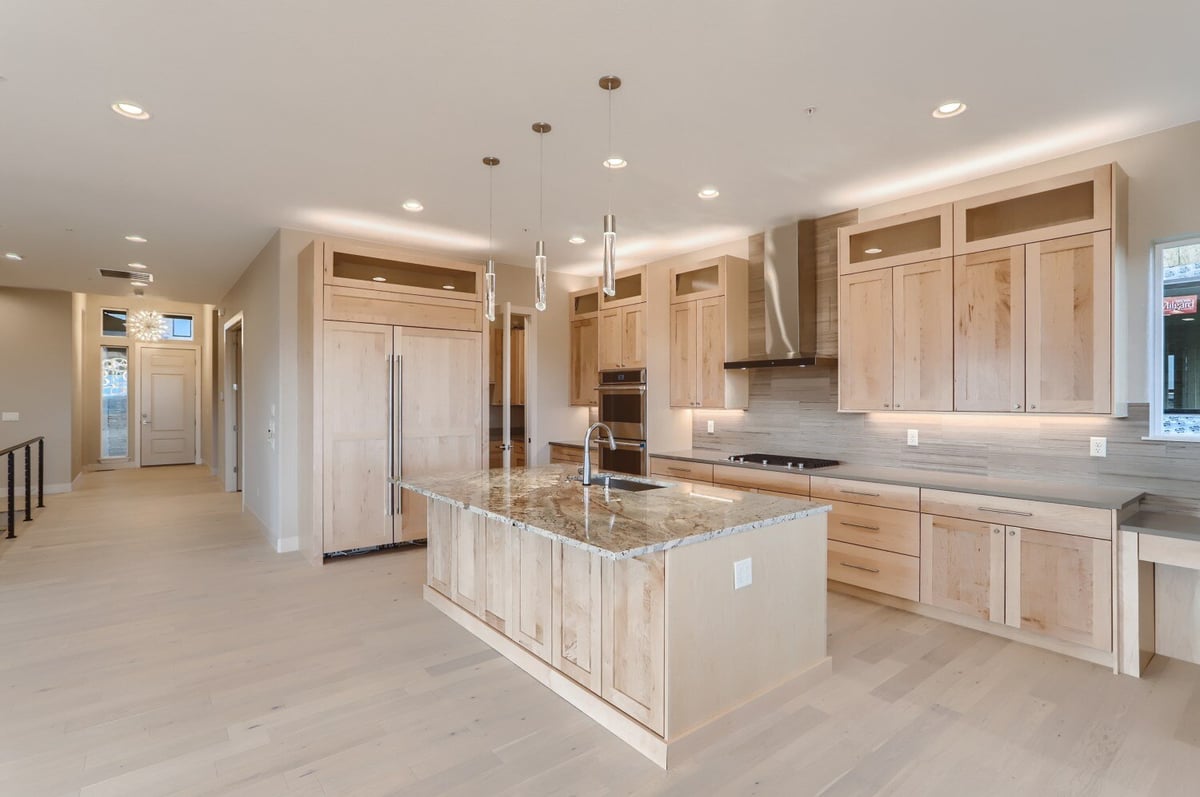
<point>1179,305</point>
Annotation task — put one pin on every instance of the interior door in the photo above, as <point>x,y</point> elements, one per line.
<point>358,388</point>
<point>168,405</point>
<point>439,417</point>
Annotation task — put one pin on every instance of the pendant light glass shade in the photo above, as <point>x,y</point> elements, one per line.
<point>539,276</point>
<point>489,290</point>
<point>610,255</point>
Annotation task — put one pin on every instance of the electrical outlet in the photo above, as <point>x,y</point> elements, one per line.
<point>912,437</point>
<point>712,427</point>
<point>743,573</point>
<point>1099,447</point>
<point>10,416</point>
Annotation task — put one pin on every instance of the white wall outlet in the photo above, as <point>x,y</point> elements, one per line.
<point>913,439</point>
<point>1099,447</point>
<point>743,573</point>
<point>712,427</point>
<point>10,416</point>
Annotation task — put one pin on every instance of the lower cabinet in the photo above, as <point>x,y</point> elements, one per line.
<point>468,562</point>
<point>874,569</point>
<point>439,553</point>
<point>962,566</point>
<point>575,632</point>
<point>634,650</point>
<point>497,566</point>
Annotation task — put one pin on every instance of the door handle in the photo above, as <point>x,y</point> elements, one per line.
<point>145,419</point>
<point>391,473</point>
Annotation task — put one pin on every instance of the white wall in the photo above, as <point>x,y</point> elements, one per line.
<point>1164,202</point>
<point>36,366</point>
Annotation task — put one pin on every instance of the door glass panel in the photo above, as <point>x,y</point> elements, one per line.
<point>114,402</point>
<point>1181,339</point>
<point>516,409</point>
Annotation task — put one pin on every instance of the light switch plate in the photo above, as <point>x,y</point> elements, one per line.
<point>712,427</point>
<point>1099,447</point>
<point>743,573</point>
<point>913,439</point>
<point>10,416</point>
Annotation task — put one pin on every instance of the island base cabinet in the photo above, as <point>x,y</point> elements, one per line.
<point>497,604</point>
<point>439,551</point>
<point>634,657</point>
<point>531,590</point>
<point>577,615</point>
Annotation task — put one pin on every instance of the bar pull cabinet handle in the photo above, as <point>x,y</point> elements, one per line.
<point>398,433</point>
<point>860,492</point>
<point>1005,511</point>
<point>863,526</point>
<point>859,567</point>
<point>677,470</point>
<point>391,475</point>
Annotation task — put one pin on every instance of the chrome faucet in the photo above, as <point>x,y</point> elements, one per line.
<point>587,449</point>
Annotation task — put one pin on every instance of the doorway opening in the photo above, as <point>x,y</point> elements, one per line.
<point>512,388</point>
<point>234,405</point>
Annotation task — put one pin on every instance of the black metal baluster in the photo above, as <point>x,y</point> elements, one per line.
<point>28,486</point>
<point>12,495</point>
<point>41,470</point>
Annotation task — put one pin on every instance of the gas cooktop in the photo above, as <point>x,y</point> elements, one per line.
<point>782,461</point>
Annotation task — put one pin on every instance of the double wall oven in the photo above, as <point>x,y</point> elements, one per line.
<point>623,409</point>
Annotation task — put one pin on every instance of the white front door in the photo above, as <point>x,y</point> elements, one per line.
<point>167,403</point>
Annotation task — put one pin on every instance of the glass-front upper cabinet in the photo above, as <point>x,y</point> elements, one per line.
<point>429,275</point>
<point>896,241</point>
<point>705,280</point>
<point>631,289</point>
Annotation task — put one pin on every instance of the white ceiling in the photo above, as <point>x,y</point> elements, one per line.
<point>327,114</point>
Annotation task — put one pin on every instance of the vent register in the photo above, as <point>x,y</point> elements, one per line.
<point>116,273</point>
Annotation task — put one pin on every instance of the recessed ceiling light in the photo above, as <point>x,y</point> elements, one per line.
<point>448,287</point>
<point>948,109</point>
<point>139,283</point>
<point>131,110</point>
<point>137,265</point>
<point>577,239</point>
<point>413,206</point>
<point>615,162</point>
<point>137,239</point>
<point>708,192</point>
<point>874,250</point>
<point>379,279</point>
<point>13,256</point>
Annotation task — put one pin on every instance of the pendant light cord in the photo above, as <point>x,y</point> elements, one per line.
<point>610,149</point>
<point>490,195</point>
<point>541,182</point>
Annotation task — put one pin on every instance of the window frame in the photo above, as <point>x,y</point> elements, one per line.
<point>191,320</point>
<point>123,311</point>
<point>1157,344</point>
<point>128,348</point>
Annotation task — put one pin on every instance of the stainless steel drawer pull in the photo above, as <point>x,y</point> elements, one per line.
<point>860,492</point>
<point>859,525</point>
<point>679,470</point>
<point>860,567</point>
<point>1005,511</point>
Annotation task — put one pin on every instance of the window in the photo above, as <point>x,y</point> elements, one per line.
<point>177,327</point>
<point>1175,401</point>
<point>114,402</point>
<point>112,323</point>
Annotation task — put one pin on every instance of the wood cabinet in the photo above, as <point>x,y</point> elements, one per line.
<point>865,380</point>
<point>439,555</point>
<point>1068,325</point>
<point>923,336</point>
<point>708,326</point>
<point>962,566</point>
<point>911,237</point>
<point>874,569</point>
<point>497,568</point>
<point>874,537</point>
<point>630,289</point>
<point>622,337</point>
<point>532,588</point>
<point>1059,585</point>
<point>570,455</point>
<point>468,562</point>
<point>682,469</point>
<point>585,347</point>
<point>576,631</point>
<point>989,331</point>
<point>634,655</point>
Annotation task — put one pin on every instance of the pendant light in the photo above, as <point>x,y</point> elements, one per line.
<point>489,273</point>
<point>610,83</point>
<point>539,252</point>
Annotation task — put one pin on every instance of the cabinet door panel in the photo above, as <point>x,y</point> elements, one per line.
<point>865,342</point>
<point>1068,324</point>
<point>584,354</point>
<point>989,331</point>
<point>467,582</point>
<point>609,347</point>
<point>1059,585</point>
<point>357,395</point>
<point>634,645</point>
<point>532,591</point>
<point>923,343</point>
<point>710,352</point>
<point>497,607</point>
<point>962,566</point>
<point>439,551</point>
<point>633,336</point>
<point>577,615</point>
<point>683,354</point>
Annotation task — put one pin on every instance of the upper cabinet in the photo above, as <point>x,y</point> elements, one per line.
<point>585,347</point>
<point>1070,204</point>
<point>631,289</point>
<point>708,326</point>
<point>364,266</point>
<point>1020,319</point>
<point>896,241</point>
<point>621,322</point>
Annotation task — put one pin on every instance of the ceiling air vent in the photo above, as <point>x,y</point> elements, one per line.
<point>115,273</point>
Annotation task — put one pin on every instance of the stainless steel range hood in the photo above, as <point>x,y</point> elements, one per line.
<point>788,309</point>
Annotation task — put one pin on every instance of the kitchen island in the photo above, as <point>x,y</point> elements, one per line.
<point>654,609</point>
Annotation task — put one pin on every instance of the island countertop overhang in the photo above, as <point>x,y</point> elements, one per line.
<point>614,524</point>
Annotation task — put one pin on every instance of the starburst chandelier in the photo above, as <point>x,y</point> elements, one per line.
<point>146,325</point>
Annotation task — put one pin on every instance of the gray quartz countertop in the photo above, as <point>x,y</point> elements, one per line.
<point>615,524</point>
<point>1164,524</point>
<point>1052,492</point>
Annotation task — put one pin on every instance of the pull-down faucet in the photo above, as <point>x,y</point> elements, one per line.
<point>587,449</point>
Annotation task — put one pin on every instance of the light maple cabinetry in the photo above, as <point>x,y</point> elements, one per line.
<point>962,566</point>
<point>865,340</point>
<point>622,337</point>
<point>531,585</point>
<point>578,619</point>
<point>634,656</point>
<point>989,331</point>
<point>923,340</point>
<point>912,237</point>
<point>585,347</point>
<point>708,326</point>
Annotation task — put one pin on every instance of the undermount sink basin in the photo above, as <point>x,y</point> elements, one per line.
<point>630,486</point>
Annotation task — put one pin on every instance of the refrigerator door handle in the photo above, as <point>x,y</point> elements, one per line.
<point>398,435</point>
<point>390,402</point>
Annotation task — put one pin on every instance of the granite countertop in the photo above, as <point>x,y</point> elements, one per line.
<point>1164,524</point>
<point>1054,492</point>
<point>616,525</point>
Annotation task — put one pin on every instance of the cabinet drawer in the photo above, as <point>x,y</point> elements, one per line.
<point>679,469</point>
<point>890,495</point>
<point>870,568</point>
<point>894,530</point>
<point>793,483</point>
<point>569,455</point>
<point>1079,520</point>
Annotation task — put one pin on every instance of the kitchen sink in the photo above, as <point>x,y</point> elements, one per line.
<point>629,485</point>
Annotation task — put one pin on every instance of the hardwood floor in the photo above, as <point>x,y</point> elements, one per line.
<point>152,643</point>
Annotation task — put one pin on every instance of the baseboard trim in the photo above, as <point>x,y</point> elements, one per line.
<point>287,544</point>
<point>47,489</point>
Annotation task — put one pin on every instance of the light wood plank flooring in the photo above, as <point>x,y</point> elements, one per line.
<point>152,643</point>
